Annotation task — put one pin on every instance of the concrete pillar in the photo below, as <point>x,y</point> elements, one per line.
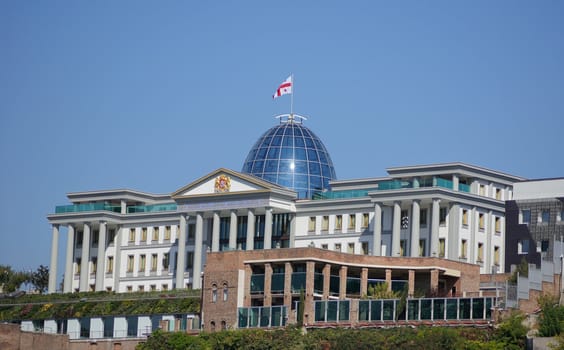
<point>434,282</point>
<point>85,259</point>
<point>396,227</point>
<point>309,316</point>
<point>411,283</point>
<point>288,270</point>
<point>215,232</point>
<point>120,231</point>
<point>69,277</point>
<point>455,182</point>
<point>267,284</point>
<point>293,230</point>
<point>52,286</point>
<point>250,229</point>
<point>415,227</point>
<point>343,282</point>
<point>198,248</point>
<point>435,228</point>
<point>363,281</point>
<point>123,207</point>
<point>181,256</point>
<point>233,230</point>
<point>268,229</point>
<point>101,256</point>
<point>389,279</point>
<point>248,275</point>
<point>326,281</point>
<point>377,234</point>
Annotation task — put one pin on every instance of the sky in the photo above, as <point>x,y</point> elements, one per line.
<point>151,95</point>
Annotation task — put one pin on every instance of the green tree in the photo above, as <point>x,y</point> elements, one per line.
<point>551,320</point>
<point>40,279</point>
<point>11,280</point>
<point>380,291</point>
<point>511,332</point>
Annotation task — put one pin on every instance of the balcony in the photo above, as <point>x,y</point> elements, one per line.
<point>76,208</point>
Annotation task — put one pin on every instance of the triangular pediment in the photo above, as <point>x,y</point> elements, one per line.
<point>224,181</point>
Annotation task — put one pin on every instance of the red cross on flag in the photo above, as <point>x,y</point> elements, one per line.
<point>284,88</point>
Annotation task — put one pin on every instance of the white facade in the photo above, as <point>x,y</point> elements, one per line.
<point>158,242</point>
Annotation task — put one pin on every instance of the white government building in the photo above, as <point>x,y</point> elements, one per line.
<point>286,196</point>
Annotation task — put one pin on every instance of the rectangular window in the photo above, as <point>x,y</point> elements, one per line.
<point>480,256</point>
<point>526,216</point>
<point>189,260</point>
<point>523,246</point>
<point>141,262</point>
<point>498,194</point>
<point>94,265</point>
<point>154,262</point>
<point>325,223</point>
<point>164,287</point>
<point>141,288</point>
<point>110,264</point>
<point>482,190</point>
<point>78,264</point>
<point>79,238</point>
<point>365,220</point>
<point>155,234</point>
<point>463,248</point>
<point>545,216</point>
<point>153,287</point>
<point>95,236</point>
<point>350,249</point>
<point>481,221</point>
<point>167,233</point>
<point>365,248</point>
<point>352,221</point>
<point>144,234</point>
<point>441,247</point>
<point>311,226</point>
<point>129,289</point>
<point>442,216</point>
<point>422,251</point>
<point>130,262</point>
<point>464,217</point>
<point>131,235</point>
<point>403,247</point>
<point>423,218</point>
<point>337,247</point>
<point>404,219</point>
<point>497,224</point>
<point>192,232</point>
<point>324,246</point>
<point>496,255</point>
<point>544,245</point>
<point>166,260</point>
<point>111,236</point>
<point>339,222</point>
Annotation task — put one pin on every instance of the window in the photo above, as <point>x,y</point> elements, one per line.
<point>167,233</point>
<point>496,255</point>
<point>481,221</point>
<point>130,261</point>
<point>497,224</point>
<point>464,217</point>
<point>189,260</point>
<point>463,249</point>
<point>338,222</point>
<point>166,260</point>
<point>338,247</point>
<point>526,216</point>
<point>111,236</point>
<point>78,263</point>
<point>155,234</point>
<point>498,194</point>
<point>441,247</point>
<point>422,251</point>
<point>144,234</point>
<point>544,245</point>
<point>131,235</point>
<point>324,246</point>
<point>79,238</point>
<point>191,232</point>
<point>95,236</point>
<point>365,248</point>
<point>110,264</point>
<point>442,216</point>
<point>141,262</point>
<point>153,287</point>
<point>94,265</point>
<point>480,257</point>
<point>523,246</point>
<point>545,216</point>
<point>129,289</point>
<point>352,221</point>
<point>365,220</point>
<point>214,293</point>
<point>403,247</point>
<point>141,288</point>
<point>325,223</point>
<point>482,190</point>
<point>164,287</point>
<point>404,219</point>
<point>350,249</point>
<point>311,226</point>
<point>154,258</point>
<point>561,219</point>
<point>225,292</point>
<point>423,218</point>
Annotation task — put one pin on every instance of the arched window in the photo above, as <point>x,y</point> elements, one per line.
<point>212,326</point>
<point>214,293</point>
<point>225,291</point>
<point>223,325</point>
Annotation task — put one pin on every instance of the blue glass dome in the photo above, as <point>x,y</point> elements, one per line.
<point>292,156</point>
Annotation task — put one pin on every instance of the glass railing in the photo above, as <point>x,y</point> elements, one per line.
<point>394,185</point>
<point>75,208</point>
<point>464,188</point>
<point>444,183</point>
<point>151,208</point>
<point>332,310</point>
<point>262,316</point>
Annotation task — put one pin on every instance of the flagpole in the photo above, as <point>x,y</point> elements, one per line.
<point>292,97</point>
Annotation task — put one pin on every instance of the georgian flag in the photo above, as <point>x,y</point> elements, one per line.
<point>284,88</point>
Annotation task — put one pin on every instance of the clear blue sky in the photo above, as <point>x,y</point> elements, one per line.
<point>152,95</point>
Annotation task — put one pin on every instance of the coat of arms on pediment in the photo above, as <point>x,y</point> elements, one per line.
<point>222,184</point>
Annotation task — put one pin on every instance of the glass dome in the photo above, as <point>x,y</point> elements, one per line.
<point>292,156</point>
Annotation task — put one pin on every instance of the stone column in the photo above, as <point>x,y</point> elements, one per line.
<point>396,227</point>
<point>123,207</point>
<point>198,245</point>
<point>326,281</point>
<point>377,234</point>
<point>101,268</point>
<point>288,270</point>
<point>435,228</point>
<point>293,230</point>
<point>267,284</point>
<point>389,279</point>
<point>181,256</point>
<point>310,277</point>
<point>343,282</point>
<point>52,286</point>
<point>363,281</point>
<point>117,259</point>
<point>69,276</point>
<point>268,229</point>
<point>434,282</point>
<point>215,232</point>
<point>247,290</point>
<point>455,182</point>
<point>411,283</point>
<point>250,229</point>
<point>233,230</point>
<point>415,212</point>
<point>85,259</point>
